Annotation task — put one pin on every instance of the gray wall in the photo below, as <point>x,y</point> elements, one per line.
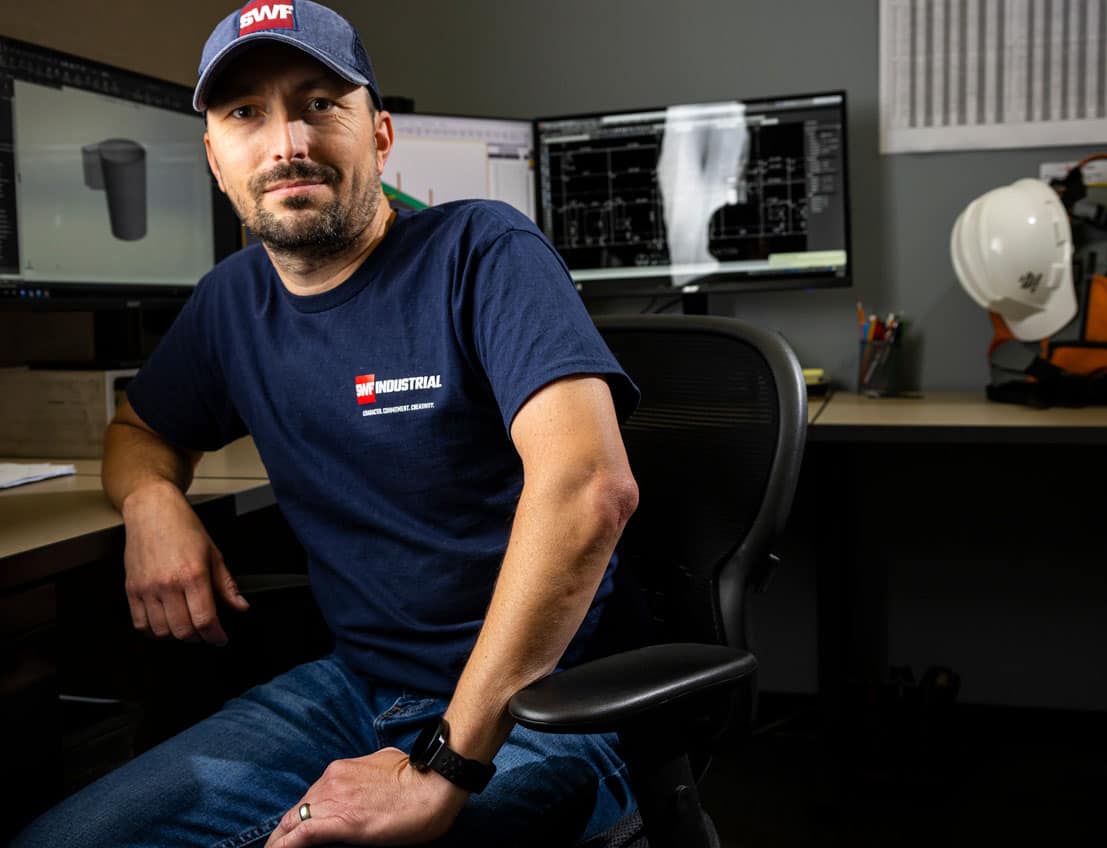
<point>160,39</point>
<point>520,58</point>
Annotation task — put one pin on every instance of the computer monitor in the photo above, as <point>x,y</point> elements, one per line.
<point>105,191</point>
<point>438,158</point>
<point>737,195</point>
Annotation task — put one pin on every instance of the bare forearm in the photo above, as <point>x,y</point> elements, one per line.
<point>174,570</point>
<point>559,549</point>
<point>134,457</point>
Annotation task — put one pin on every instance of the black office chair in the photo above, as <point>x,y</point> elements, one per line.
<point>715,448</point>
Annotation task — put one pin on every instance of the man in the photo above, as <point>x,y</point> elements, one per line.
<point>436,413</point>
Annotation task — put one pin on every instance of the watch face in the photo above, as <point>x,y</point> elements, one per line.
<point>429,743</point>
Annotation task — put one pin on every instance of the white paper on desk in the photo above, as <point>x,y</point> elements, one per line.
<point>17,473</point>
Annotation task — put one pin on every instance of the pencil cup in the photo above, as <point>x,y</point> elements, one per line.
<point>878,369</point>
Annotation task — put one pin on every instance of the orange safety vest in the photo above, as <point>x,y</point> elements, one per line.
<point>1069,369</point>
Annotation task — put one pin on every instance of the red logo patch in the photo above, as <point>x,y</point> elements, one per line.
<point>366,388</point>
<point>265,14</point>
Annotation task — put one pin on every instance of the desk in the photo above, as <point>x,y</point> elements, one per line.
<point>239,459</point>
<point>63,618</point>
<point>953,530</point>
<point>62,523</point>
<point>953,417</point>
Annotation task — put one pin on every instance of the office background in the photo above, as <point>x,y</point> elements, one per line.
<point>525,58</point>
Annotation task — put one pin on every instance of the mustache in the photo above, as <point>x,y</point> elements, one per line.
<point>293,171</point>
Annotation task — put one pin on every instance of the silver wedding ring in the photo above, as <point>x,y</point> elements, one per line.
<point>305,811</point>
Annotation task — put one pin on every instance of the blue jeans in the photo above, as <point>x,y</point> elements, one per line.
<point>227,780</point>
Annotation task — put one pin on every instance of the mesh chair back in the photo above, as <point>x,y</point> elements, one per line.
<point>715,447</point>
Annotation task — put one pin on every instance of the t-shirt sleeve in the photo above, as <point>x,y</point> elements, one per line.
<point>531,328</point>
<point>180,391</point>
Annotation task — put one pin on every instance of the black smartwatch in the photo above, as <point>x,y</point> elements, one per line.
<point>431,752</point>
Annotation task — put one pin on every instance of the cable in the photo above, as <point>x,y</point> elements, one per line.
<point>1092,158</point>
<point>663,307</point>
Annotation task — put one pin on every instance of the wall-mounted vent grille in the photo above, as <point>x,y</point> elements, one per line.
<point>992,73</point>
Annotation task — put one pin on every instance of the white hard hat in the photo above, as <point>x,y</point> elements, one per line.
<point>1012,251</point>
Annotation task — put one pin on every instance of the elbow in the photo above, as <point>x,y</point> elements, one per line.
<point>613,498</point>
<point>626,496</point>
<point>586,506</point>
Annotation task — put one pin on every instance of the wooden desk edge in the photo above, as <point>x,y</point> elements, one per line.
<point>237,461</point>
<point>956,434</point>
<point>859,419</point>
<point>31,565</point>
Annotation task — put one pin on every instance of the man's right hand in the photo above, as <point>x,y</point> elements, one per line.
<point>173,567</point>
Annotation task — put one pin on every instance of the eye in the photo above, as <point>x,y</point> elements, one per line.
<point>320,104</point>
<point>243,113</point>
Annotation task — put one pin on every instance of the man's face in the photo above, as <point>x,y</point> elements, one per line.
<point>297,149</point>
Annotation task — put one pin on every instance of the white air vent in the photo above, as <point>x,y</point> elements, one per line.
<point>992,73</point>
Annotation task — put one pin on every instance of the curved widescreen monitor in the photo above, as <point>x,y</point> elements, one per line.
<point>105,191</point>
<point>722,196</point>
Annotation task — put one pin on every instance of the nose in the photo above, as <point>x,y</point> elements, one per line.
<point>288,138</point>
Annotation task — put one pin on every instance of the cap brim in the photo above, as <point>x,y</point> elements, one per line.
<point>219,63</point>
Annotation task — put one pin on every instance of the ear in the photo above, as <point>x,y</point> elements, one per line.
<point>384,136</point>
<point>213,164</point>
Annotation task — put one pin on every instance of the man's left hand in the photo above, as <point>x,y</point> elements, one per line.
<point>375,800</point>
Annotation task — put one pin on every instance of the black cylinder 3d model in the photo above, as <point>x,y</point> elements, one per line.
<point>117,166</point>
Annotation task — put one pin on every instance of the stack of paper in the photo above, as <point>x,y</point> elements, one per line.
<point>16,474</point>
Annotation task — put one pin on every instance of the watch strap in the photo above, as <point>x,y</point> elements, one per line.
<point>432,752</point>
<point>471,775</point>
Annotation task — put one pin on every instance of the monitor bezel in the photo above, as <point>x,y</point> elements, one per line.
<point>722,281</point>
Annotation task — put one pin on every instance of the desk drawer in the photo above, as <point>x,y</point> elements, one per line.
<point>25,612</point>
<point>28,655</point>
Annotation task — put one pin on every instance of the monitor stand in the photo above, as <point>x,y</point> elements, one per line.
<point>694,303</point>
<point>123,336</point>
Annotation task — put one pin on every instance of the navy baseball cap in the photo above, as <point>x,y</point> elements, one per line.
<point>323,34</point>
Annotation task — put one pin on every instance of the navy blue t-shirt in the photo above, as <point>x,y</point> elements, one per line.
<point>382,410</point>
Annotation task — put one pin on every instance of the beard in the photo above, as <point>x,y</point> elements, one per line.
<point>333,228</point>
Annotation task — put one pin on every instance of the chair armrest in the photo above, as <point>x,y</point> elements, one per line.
<point>611,693</point>
<point>260,584</point>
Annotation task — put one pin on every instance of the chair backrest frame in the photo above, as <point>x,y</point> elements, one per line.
<point>745,564</point>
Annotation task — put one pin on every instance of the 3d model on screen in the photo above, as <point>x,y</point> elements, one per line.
<point>117,166</point>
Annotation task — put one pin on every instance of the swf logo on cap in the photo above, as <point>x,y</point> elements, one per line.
<point>265,14</point>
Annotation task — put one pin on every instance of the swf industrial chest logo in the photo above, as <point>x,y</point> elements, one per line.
<point>367,387</point>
